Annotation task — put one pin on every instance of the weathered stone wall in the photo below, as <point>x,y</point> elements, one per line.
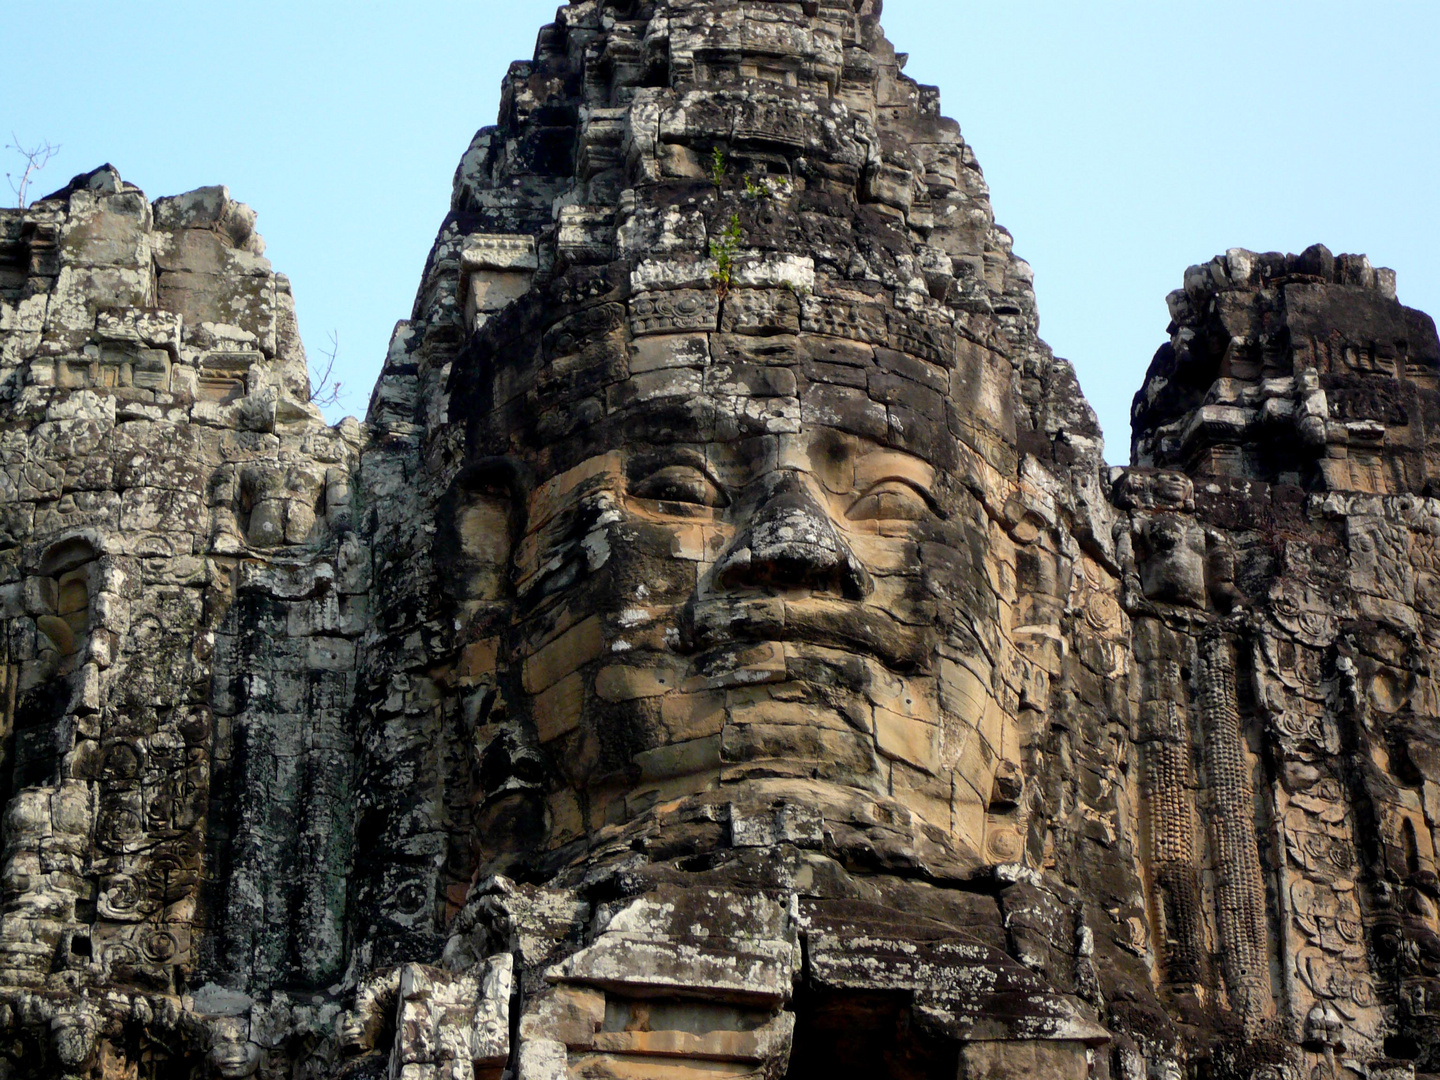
<point>722,649</point>
<point>168,496</point>
<point>1284,579</point>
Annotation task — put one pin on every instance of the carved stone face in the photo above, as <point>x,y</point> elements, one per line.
<point>1173,570</point>
<point>735,584</point>
<point>232,1056</point>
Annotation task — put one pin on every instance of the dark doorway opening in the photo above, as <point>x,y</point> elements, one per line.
<point>865,1036</point>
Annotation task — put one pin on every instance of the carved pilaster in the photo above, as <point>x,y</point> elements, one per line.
<point>1239,884</point>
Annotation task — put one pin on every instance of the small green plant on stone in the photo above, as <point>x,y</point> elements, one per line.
<point>766,187</point>
<point>722,250</point>
<point>717,168</point>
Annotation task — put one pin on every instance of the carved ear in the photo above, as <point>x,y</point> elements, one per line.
<point>481,518</point>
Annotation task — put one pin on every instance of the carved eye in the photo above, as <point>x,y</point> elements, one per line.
<point>682,484</point>
<point>890,500</point>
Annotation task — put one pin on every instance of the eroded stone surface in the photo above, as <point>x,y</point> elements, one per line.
<point>722,650</point>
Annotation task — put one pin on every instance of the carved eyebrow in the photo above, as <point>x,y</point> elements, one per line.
<point>643,465</point>
<point>881,465</point>
<point>926,496</point>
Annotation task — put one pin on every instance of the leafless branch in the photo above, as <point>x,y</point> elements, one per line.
<point>36,158</point>
<point>324,390</point>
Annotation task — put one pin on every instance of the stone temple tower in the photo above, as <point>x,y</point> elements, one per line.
<point>722,650</point>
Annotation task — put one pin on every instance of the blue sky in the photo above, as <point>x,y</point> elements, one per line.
<point>1123,139</point>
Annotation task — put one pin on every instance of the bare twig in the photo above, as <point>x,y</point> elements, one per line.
<point>325,391</point>
<point>36,158</point>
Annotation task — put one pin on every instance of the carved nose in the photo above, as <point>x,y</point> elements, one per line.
<point>791,543</point>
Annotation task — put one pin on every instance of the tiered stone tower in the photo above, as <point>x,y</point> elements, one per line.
<point>722,651</point>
